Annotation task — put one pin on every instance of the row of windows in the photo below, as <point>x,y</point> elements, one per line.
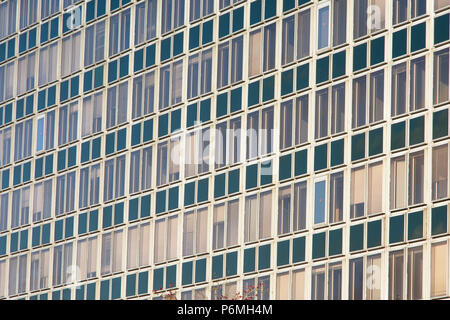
<point>404,272</point>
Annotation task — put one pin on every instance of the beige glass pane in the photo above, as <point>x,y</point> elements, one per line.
<point>251,218</point>
<point>375,188</point>
<point>265,217</point>
<point>254,58</point>
<point>132,247</point>
<point>172,237</point>
<point>398,183</point>
<point>357,192</point>
<point>298,284</point>
<point>160,232</point>
<point>438,272</point>
<point>282,286</point>
<point>144,245</point>
<point>202,230</point>
<point>440,172</point>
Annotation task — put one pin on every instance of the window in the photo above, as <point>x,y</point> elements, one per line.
<point>145,28</point>
<point>89,185</point>
<point>373,277</point>
<point>22,141</point>
<point>438,270</point>
<point>291,45</point>
<point>441,76</point>
<point>45,131</point>
<point>197,152</point>
<point>260,132</point>
<point>440,172</point>
<point>138,246</point>
<point>369,108</point>
<point>62,264</point>
<point>228,142</point>
<point>47,67</point>
<point>68,123</point>
<point>376,103</point>
<point>3,281</point>
<point>71,54</point>
<point>117,105</point>
<point>323,27</point>
<point>92,114</point>
<point>49,7</point>
<point>396,271</point>
<point>318,283</point>
<point>258,218</point>
<point>417,92</point>
<point>20,214</point>
<point>87,257</point>
<point>336,197</point>
<point>439,4</point>
<point>225,234</point>
<point>7,18</point>
<point>28,12</point>
<point>111,259</point>
<point>114,178</point>
<point>5,146</point>
<point>168,157</point>
<point>296,123</point>
<point>229,66</point>
<point>292,209</point>
<point>6,85</point>
<point>261,50</point>
<point>199,73</point>
<point>320,199</point>
<point>368,17</point>
<point>398,182</point>
<point>65,193</point>
<point>416,161</point>
<point>321,127</point>
<point>141,170</point>
<point>143,94</point>
<point>291,285</point>
<point>119,32</point>
<point>26,73</point>
<point>414,272</point>
<point>200,8</point>
<point>171,84</point>
<point>355,283</point>
<point>166,239</point>
<point>172,15</point>
<point>17,274</point>
<point>400,11</point>
<point>42,203</point>
<point>373,174</point>
<point>94,45</point>
<point>4,199</point>
<point>418,8</point>
<point>339,28</point>
<point>39,270</point>
<point>398,89</point>
<point>259,290</point>
<point>195,230</point>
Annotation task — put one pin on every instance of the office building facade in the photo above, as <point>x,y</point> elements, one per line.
<point>217,149</point>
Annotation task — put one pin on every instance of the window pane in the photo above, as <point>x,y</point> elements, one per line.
<point>288,40</point>
<point>441,76</point>
<point>398,89</point>
<point>438,272</point>
<point>414,272</point>
<point>355,284</point>
<point>321,114</point>
<point>323,27</point>
<point>269,46</point>
<point>339,22</point>
<point>398,182</point>
<point>357,192</point>
<point>375,201</point>
<point>336,197</point>
<point>301,120</point>
<point>373,277</point>
<point>338,109</point>
<point>376,96</point>
<point>318,283</point>
<point>319,202</point>
<point>303,34</point>
<point>440,172</point>
<point>359,102</point>
<point>416,178</point>
<point>417,91</point>
<point>284,210</point>
<point>396,275</point>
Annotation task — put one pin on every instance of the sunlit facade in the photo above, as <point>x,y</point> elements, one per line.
<point>213,149</point>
